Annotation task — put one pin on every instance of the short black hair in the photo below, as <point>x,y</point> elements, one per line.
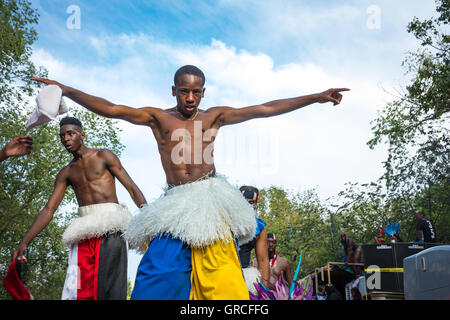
<point>249,192</point>
<point>70,120</point>
<point>249,188</point>
<point>189,69</point>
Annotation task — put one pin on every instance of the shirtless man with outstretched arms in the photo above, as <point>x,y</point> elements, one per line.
<point>185,137</point>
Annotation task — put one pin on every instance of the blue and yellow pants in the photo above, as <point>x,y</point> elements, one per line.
<point>170,270</point>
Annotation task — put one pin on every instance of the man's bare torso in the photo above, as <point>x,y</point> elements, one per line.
<point>278,270</point>
<point>90,179</point>
<point>186,146</point>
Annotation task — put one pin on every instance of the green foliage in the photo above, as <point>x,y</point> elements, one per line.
<point>417,169</point>
<point>416,126</point>
<point>416,130</point>
<point>17,34</point>
<point>129,288</point>
<point>361,210</point>
<point>27,182</point>
<point>300,222</point>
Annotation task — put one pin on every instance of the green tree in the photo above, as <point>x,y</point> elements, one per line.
<point>300,222</point>
<point>416,125</point>
<point>362,209</point>
<point>17,34</point>
<point>27,182</point>
<point>416,129</point>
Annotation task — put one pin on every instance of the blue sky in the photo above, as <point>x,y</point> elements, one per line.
<point>286,30</point>
<point>251,52</point>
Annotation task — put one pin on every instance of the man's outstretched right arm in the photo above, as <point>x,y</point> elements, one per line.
<point>45,216</point>
<point>103,107</point>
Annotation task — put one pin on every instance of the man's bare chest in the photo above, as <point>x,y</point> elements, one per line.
<point>188,142</point>
<point>87,172</point>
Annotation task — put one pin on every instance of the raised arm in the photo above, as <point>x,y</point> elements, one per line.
<point>105,108</point>
<point>116,168</point>
<point>229,115</point>
<point>46,214</point>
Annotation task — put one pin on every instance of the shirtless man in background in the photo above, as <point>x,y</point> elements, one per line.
<point>279,266</point>
<point>92,273</point>
<point>185,137</point>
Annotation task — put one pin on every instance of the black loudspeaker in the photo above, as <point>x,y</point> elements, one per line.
<point>401,251</point>
<point>387,259</point>
<point>378,262</point>
<point>430,245</point>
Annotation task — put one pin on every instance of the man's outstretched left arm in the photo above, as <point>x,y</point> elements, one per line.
<point>228,115</point>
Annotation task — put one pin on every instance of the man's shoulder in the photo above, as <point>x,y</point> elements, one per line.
<point>428,224</point>
<point>216,110</point>
<point>420,224</point>
<point>215,114</point>
<point>103,153</point>
<point>283,260</point>
<point>64,173</point>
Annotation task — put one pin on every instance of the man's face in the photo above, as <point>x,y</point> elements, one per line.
<point>418,216</point>
<point>189,92</point>
<point>271,245</point>
<point>342,238</point>
<point>71,137</point>
<point>252,203</point>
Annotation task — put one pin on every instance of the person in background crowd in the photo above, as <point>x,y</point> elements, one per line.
<point>279,266</point>
<point>425,231</point>
<point>259,243</point>
<point>352,252</point>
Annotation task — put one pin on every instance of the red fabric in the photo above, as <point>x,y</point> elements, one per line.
<point>14,285</point>
<point>88,257</point>
<point>274,259</point>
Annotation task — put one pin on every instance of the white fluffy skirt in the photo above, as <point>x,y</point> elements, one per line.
<point>252,277</point>
<point>97,220</point>
<point>198,213</point>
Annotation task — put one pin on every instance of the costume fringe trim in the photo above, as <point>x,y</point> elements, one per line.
<point>252,277</point>
<point>97,220</point>
<point>198,213</point>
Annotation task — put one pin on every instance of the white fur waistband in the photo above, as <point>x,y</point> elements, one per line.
<point>198,213</point>
<point>97,220</point>
<point>252,277</point>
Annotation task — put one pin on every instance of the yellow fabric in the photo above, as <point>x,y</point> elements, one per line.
<point>216,273</point>
<point>384,270</point>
